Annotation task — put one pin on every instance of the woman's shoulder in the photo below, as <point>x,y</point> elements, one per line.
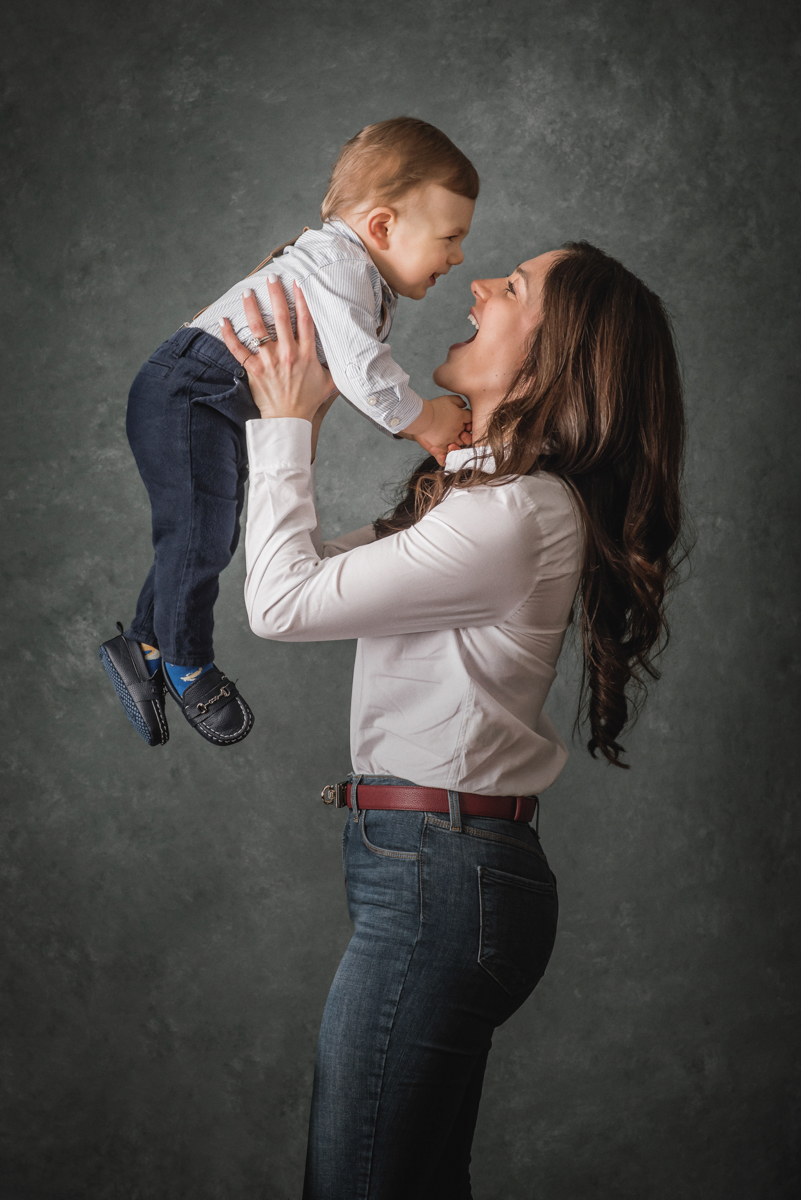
<point>549,494</point>
<point>539,510</point>
<point>541,494</point>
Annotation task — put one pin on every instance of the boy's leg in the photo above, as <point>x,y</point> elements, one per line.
<point>193,461</point>
<point>143,628</point>
<point>186,429</point>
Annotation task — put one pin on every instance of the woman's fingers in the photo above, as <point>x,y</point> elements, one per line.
<point>284,333</point>
<point>306,331</point>
<point>253,314</point>
<point>233,343</point>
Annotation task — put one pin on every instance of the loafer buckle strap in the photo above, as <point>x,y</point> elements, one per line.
<point>212,701</point>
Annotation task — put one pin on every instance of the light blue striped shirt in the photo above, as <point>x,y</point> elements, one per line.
<point>344,292</point>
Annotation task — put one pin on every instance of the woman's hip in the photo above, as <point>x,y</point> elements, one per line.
<point>476,905</point>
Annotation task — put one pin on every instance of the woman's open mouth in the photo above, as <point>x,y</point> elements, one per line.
<point>473,319</point>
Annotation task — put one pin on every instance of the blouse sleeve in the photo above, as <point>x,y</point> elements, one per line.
<point>460,566</point>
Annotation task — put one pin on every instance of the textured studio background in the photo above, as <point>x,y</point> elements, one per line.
<point>173,917</point>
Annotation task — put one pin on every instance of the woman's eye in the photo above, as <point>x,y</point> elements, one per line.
<point>510,287</point>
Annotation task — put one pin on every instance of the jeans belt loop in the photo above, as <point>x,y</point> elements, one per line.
<point>355,780</point>
<point>455,812</point>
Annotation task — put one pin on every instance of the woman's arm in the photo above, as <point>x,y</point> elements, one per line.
<point>470,562</point>
<point>459,566</point>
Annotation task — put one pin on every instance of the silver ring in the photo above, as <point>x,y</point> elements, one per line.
<point>261,341</point>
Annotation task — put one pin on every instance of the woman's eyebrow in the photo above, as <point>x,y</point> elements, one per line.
<point>523,275</point>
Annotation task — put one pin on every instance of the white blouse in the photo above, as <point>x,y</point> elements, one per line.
<point>460,618</point>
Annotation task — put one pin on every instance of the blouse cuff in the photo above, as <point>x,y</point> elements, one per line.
<point>278,441</point>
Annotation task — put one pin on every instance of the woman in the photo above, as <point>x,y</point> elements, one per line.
<point>460,602</point>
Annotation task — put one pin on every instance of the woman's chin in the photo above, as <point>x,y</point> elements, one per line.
<point>448,374</point>
<point>442,377</point>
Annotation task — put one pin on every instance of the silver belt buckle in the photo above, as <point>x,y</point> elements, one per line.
<point>336,794</point>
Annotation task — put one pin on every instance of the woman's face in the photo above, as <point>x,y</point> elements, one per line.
<point>505,313</point>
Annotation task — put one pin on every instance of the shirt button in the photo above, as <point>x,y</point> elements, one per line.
<point>394,422</point>
<point>372,399</point>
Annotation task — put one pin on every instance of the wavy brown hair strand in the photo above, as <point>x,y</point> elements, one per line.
<point>598,402</point>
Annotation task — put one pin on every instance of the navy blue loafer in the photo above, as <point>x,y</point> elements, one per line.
<point>214,707</point>
<point>140,693</point>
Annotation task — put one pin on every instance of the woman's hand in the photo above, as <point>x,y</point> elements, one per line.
<point>285,375</point>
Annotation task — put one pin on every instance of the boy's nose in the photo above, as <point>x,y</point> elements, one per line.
<point>456,256</point>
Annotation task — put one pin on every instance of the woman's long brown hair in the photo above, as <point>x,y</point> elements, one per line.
<point>598,402</point>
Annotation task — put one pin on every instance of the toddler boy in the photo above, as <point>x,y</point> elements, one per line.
<point>399,203</point>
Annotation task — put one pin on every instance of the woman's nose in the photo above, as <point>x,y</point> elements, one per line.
<point>480,289</point>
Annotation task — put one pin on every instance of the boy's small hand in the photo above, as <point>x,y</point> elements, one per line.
<point>444,424</point>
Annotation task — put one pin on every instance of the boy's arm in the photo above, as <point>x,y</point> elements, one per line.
<point>342,303</point>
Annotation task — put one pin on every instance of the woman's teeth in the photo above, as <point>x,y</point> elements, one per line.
<point>472,320</point>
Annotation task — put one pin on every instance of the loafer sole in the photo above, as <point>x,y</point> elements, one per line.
<point>160,733</point>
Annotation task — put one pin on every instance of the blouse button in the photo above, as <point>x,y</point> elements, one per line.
<point>394,422</point>
<point>372,400</point>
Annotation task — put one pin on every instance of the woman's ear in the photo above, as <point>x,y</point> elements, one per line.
<point>379,226</point>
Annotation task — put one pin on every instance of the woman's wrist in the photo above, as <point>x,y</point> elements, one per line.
<point>285,416</point>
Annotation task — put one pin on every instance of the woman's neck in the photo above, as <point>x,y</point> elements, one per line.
<point>482,408</point>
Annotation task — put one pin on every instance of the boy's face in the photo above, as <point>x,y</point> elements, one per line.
<point>419,238</point>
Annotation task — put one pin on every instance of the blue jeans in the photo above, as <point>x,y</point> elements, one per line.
<point>454,922</point>
<point>187,410</point>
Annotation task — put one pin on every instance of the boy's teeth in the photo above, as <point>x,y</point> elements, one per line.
<point>472,320</point>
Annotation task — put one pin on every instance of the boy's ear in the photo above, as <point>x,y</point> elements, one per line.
<point>379,226</point>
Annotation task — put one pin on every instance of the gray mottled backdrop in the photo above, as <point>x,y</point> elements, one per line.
<point>174,917</point>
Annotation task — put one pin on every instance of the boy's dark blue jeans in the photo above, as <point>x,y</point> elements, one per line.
<point>187,410</point>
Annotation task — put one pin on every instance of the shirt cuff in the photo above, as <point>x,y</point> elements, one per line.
<point>408,410</point>
<point>278,441</point>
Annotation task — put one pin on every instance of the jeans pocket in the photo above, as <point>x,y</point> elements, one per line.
<point>228,395</point>
<point>518,928</point>
<point>152,367</point>
<point>391,834</point>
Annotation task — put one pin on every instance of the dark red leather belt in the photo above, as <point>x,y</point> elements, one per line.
<point>422,799</point>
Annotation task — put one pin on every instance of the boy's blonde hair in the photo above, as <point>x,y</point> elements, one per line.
<point>384,161</point>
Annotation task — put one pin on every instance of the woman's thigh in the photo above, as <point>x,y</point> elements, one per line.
<point>452,930</point>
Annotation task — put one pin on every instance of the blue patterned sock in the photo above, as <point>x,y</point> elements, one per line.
<point>183,677</point>
<point>152,657</point>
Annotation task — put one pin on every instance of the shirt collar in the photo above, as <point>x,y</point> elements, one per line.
<point>350,235</point>
<point>470,456</point>
<point>345,231</point>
